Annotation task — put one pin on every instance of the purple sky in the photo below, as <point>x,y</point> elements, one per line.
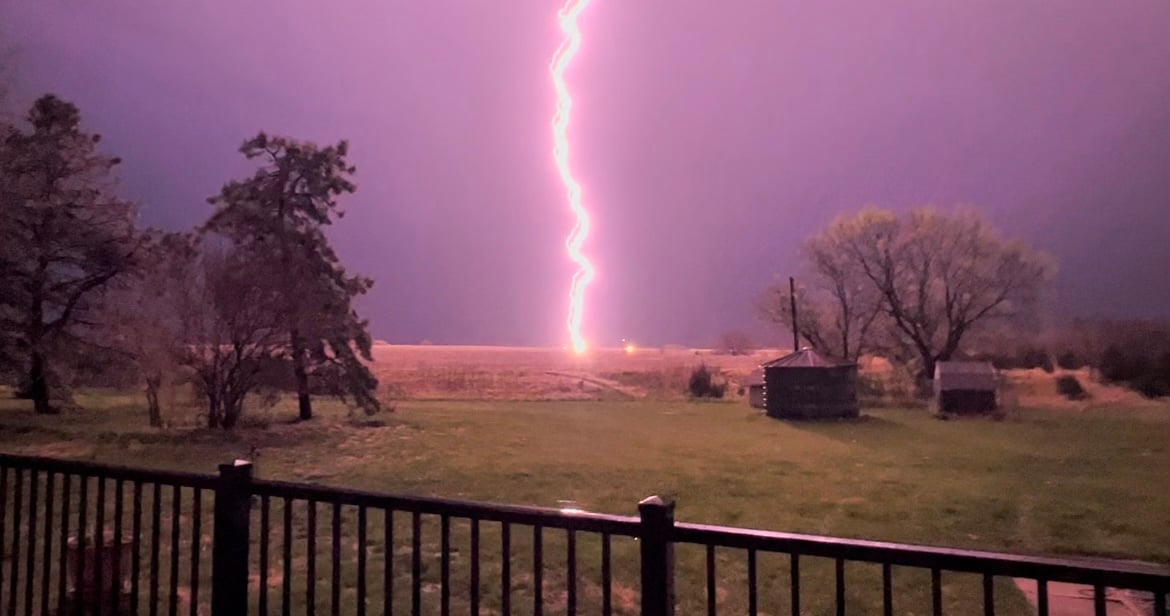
<point>710,142</point>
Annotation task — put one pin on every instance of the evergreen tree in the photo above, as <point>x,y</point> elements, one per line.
<point>65,233</point>
<point>277,218</point>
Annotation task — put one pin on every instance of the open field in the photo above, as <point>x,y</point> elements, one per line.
<point>530,373</point>
<point>1085,482</point>
<point>426,372</point>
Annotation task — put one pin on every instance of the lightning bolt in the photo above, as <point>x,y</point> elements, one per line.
<point>560,126</point>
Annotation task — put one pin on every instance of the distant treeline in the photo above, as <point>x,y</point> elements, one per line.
<point>1133,352</point>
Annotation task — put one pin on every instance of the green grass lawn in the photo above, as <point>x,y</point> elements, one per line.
<point>1061,483</point>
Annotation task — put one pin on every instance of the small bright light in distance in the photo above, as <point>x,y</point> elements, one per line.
<point>630,348</point>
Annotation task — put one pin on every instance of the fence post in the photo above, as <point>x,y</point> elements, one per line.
<point>657,516</point>
<point>229,556</point>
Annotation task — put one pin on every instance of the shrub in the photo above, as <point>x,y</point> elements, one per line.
<point>1035,357</point>
<point>1151,386</point>
<point>1115,365</point>
<point>1070,387</point>
<point>1154,381</point>
<point>1070,360</point>
<point>701,385</point>
<point>1139,368</point>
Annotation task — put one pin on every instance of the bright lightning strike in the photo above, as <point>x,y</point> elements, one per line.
<point>560,125</point>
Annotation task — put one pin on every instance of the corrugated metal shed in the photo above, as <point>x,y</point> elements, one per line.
<point>755,388</point>
<point>806,358</point>
<point>808,385</point>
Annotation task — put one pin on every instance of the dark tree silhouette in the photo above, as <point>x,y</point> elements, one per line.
<point>65,233</point>
<point>277,219</point>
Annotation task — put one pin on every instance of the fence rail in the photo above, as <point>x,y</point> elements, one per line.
<point>512,514</point>
<point>1100,574</point>
<point>83,538</point>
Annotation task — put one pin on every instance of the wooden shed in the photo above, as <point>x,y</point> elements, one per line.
<point>808,385</point>
<point>965,387</point>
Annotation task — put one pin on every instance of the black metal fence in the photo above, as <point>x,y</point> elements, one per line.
<point>80,538</point>
<point>75,535</point>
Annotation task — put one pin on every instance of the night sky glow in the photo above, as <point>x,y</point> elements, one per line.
<point>709,139</point>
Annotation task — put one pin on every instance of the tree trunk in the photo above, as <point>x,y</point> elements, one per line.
<point>304,403</point>
<point>38,387</point>
<point>152,386</point>
<point>928,363</point>
<point>232,408</point>
<point>926,376</point>
<point>212,411</point>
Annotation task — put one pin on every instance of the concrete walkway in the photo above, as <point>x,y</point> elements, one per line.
<point>1077,600</point>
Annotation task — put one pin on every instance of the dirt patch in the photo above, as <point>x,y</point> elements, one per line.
<point>582,379</point>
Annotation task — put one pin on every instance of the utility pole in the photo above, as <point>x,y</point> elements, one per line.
<point>792,299</point>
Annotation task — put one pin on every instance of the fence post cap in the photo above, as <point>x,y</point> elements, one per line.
<point>651,503</point>
<point>236,468</point>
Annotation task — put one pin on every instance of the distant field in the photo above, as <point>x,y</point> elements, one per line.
<point>532,373</point>
<point>1042,481</point>
<point>437,372</point>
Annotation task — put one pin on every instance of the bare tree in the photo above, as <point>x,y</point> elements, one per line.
<point>230,332</point>
<point>938,274</point>
<point>65,233</point>
<point>142,314</point>
<point>836,309</point>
